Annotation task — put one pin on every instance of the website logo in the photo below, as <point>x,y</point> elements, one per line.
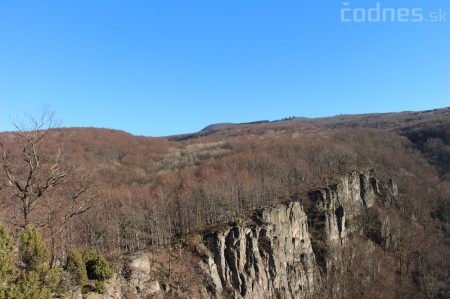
<point>384,14</point>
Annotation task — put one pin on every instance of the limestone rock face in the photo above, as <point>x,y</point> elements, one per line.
<point>339,203</point>
<point>140,263</point>
<point>137,275</point>
<point>272,254</point>
<point>342,202</point>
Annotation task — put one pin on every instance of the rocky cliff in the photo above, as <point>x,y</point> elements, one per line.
<point>283,251</point>
<point>271,254</point>
<point>335,207</point>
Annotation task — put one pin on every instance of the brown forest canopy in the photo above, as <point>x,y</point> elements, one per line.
<point>156,189</point>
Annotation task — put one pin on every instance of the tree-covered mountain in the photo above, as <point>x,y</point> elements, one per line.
<point>171,195</point>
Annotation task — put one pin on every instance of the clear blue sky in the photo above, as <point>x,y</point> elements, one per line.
<point>164,67</point>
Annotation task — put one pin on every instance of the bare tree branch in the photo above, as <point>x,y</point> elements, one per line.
<point>34,171</point>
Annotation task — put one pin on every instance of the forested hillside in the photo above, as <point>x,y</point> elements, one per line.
<point>126,193</point>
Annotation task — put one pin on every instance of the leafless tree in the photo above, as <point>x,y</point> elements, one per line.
<point>38,187</point>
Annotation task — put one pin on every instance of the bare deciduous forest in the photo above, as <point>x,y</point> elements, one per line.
<point>125,193</point>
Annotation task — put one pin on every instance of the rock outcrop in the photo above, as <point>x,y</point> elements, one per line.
<point>269,254</point>
<point>272,255</point>
<point>339,203</point>
<point>136,273</point>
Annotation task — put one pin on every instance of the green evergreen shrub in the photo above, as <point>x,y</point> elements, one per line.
<point>36,280</point>
<point>33,249</point>
<point>8,271</point>
<point>37,277</point>
<point>77,267</point>
<point>29,286</point>
<point>7,267</point>
<point>97,266</point>
<point>100,286</point>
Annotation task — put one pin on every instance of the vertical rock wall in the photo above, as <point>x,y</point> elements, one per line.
<point>271,254</point>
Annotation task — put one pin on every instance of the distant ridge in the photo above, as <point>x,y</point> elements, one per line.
<point>401,122</point>
<point>218,126</point>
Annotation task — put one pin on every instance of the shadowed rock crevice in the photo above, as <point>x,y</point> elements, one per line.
<point>340,217</point>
